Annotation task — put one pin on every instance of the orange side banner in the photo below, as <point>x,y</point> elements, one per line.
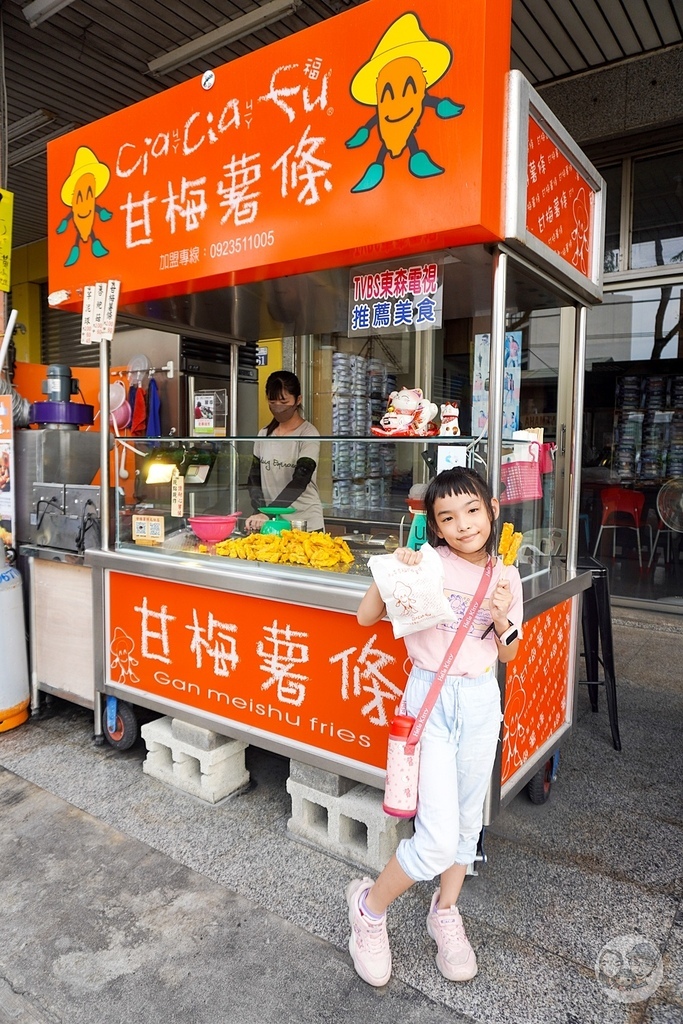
<point>298,673</point>
<point>537,688</point>
<point>377,133</point>
<point>560,202</point>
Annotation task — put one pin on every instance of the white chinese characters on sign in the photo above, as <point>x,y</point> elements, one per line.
<point>282,651</point>
<point>240,203</point>
<point>365,676</point>
<point>279,661</point>
<point>224,649</point>
<point>157,638</point>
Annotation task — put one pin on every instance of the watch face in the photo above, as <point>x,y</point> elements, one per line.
<point>509,636</point>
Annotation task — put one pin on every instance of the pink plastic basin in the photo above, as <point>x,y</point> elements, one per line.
<point>212,529</point>
<point>122,415</point>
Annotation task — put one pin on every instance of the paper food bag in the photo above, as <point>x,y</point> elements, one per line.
<point>413,594</point>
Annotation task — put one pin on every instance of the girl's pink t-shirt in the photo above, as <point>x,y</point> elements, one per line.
<point>427,648</point>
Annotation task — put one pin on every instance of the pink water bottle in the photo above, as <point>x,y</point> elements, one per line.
<point>400,788</point>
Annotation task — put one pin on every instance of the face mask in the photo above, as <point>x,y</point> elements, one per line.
<point>283,413</point>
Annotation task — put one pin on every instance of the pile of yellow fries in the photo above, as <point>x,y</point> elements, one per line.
<point>291,547</point>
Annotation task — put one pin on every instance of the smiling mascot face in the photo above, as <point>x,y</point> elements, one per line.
<point>83,205</point>
<point>401,88</point>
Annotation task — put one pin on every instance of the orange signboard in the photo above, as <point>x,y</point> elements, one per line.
<point>560,202</point>
<point>377,133</point>
<point>537,688</point>
<point>299,673</point>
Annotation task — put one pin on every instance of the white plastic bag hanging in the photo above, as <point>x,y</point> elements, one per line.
<point>413,594</point>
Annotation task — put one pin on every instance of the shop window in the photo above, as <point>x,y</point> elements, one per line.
<point>612,176</point>
<point>644,212</point>
<point>638,324</point>
<point>657,232</point>
<point>633,430</point>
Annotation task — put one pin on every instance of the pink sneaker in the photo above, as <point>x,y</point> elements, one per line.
<point>455,957</point>
<point>369,942</point>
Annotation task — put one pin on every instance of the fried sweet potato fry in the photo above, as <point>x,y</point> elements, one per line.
<point>291,547</point>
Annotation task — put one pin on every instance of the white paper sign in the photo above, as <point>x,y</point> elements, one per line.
<point>450,455</point>
<point>98,311</point>
<point>111,303</point>
<point>88,310</point>
<point>177,493</point>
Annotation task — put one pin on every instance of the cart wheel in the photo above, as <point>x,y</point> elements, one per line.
<point>126,731</point>
<point>538,788</point>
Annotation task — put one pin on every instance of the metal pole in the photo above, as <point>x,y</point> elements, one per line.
<point>232,423</point>
<point>495,447</point>
<point>573,456</point>
<point>496,374</point>
<point>104,445</point>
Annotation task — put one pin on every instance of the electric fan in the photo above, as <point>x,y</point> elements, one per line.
<point>670,504</point>
<point>670,510</point>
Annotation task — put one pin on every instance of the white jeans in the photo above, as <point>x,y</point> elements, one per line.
<point>457,750</point>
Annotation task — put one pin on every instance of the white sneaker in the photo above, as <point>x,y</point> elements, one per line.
<point>455,957</point>
<point>369,942</point>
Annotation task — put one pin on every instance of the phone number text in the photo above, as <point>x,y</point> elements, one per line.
<point>244,243</point>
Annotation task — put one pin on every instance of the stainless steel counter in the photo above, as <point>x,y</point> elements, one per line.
<point>336,591</point>
<point>50,554</point>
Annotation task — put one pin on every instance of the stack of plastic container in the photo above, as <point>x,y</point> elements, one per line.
<point>342,394</point>
<point>629,421</point>
<point>350,418</point>
<point>377,389</point>
<point>675,459</point>
<point>653,450</point>
<point>361,471</point>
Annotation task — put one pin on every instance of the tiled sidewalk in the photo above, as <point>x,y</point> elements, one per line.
<point>595,872</point>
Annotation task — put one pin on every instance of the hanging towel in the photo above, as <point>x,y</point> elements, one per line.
<point>153,410</point>
<point>132,392</point>
<point>139,425</point>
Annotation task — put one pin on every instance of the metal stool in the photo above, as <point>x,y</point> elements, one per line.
<point>596,621</point>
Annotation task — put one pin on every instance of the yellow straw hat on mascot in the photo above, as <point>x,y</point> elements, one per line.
<point>404,38</point>
<point>85,162</point>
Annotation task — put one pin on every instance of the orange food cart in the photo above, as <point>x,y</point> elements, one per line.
<point>378,183</point>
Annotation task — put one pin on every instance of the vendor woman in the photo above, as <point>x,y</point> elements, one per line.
<point>283,472</point>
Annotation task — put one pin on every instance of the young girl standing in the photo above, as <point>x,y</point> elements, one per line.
<point>459,741</point>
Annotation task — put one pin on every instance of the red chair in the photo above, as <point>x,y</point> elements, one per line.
<point>621,509</point>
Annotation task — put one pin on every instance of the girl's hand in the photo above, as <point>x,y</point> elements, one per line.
<point>254,523</point>
<point>500,602</point>
<point>408,556</point>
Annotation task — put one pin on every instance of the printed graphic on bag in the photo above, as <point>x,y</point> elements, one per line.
<point>413,594</point>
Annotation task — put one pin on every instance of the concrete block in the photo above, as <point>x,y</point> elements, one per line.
<point>210,770</point>
<point>195,735</point>
<point>352,826</point>
<point>318,778</point>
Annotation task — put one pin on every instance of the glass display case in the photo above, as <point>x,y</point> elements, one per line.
<point>190,499</point>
